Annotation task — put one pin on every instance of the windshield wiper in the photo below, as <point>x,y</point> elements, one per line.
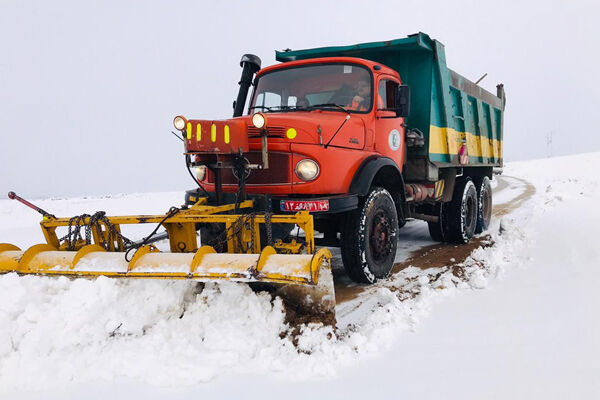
<point>329,105</point>
<point>282,108</point>
<point>293,108</point>
<point>300,108</point>
<point>261,107</point>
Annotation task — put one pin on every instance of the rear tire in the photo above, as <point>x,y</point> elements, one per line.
<point>462,212</point>
<point>484,199</point>
<point>368,237</point>
<point>436,229</point>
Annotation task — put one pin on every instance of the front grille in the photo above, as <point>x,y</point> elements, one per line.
<point>277,173</point>
<point>272,131</point>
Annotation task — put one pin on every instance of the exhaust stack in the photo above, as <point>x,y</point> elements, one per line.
<point>250,65</point>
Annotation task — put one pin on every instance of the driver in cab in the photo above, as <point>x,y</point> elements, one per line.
<point>362,100</point>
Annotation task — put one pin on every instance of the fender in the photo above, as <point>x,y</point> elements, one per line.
<point>366,172</point>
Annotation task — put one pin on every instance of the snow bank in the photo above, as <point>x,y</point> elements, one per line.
<point>173,333</point>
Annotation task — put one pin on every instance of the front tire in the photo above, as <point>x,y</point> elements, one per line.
<point>368,237</point>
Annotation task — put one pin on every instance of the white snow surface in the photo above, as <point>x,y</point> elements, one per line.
<point>522,323</point>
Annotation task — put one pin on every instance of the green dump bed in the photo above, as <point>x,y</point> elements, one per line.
<point>461,122</point>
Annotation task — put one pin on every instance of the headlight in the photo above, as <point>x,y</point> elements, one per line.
<point>259,120</point>
<point>200,172</point>
<point>307,170</point>
<point>179,123</point>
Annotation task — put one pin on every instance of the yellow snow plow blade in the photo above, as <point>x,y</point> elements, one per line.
<point>148,262</point>
<point>302,276</point>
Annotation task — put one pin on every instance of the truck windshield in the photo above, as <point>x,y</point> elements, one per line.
<point>314,86</point>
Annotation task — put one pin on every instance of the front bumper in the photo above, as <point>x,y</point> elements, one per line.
<point>285,204</point>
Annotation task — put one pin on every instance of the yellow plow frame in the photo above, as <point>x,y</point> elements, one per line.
<point>299,273</point>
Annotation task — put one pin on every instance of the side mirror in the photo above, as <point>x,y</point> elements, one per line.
<point>403,101</point>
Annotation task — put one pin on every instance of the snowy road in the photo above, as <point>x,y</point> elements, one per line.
<point>428,332</point>
<point>415,247</point>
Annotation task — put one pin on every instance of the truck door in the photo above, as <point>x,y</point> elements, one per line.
<point>389,129</point>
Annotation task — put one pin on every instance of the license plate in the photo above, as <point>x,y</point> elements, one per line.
<point>308,205</point>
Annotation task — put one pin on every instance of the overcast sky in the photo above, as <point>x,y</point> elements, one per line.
<point>88,90</point>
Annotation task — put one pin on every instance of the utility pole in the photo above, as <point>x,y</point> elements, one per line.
<point>549,144</point>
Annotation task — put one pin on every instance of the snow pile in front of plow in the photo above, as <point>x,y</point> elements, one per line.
<point>173,333</point>
<point>55,331</point>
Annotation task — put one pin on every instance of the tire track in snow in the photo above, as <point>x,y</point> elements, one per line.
<point>437,255</point>
<point>505,208</point>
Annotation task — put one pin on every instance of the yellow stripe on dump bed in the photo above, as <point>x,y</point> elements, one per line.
<point>449,141</point>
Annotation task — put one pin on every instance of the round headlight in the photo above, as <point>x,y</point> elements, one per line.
<point>259,120</point>
<point>307,170</point>
<point>200,172</point>
<point>179,123</point>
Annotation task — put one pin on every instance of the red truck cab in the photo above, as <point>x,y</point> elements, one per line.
<point>319,135</point>
<point>296,100</point>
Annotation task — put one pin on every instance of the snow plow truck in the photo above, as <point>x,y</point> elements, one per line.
<point>348,141</point>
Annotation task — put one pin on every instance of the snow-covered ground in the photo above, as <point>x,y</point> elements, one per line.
<point>514,320</point>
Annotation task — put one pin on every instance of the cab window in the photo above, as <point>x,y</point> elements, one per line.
<point>325,86</point>
<point>387,95</point>
<point>268,99</point>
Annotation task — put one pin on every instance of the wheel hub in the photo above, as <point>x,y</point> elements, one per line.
<point>381,237</point>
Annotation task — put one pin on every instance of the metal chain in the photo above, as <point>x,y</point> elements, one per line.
<point>74,231</point>
<point>234,232</point>
<point>76,223</point>
<point>252,235</point>
<point>269,228</point>
<point>112,234</point>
